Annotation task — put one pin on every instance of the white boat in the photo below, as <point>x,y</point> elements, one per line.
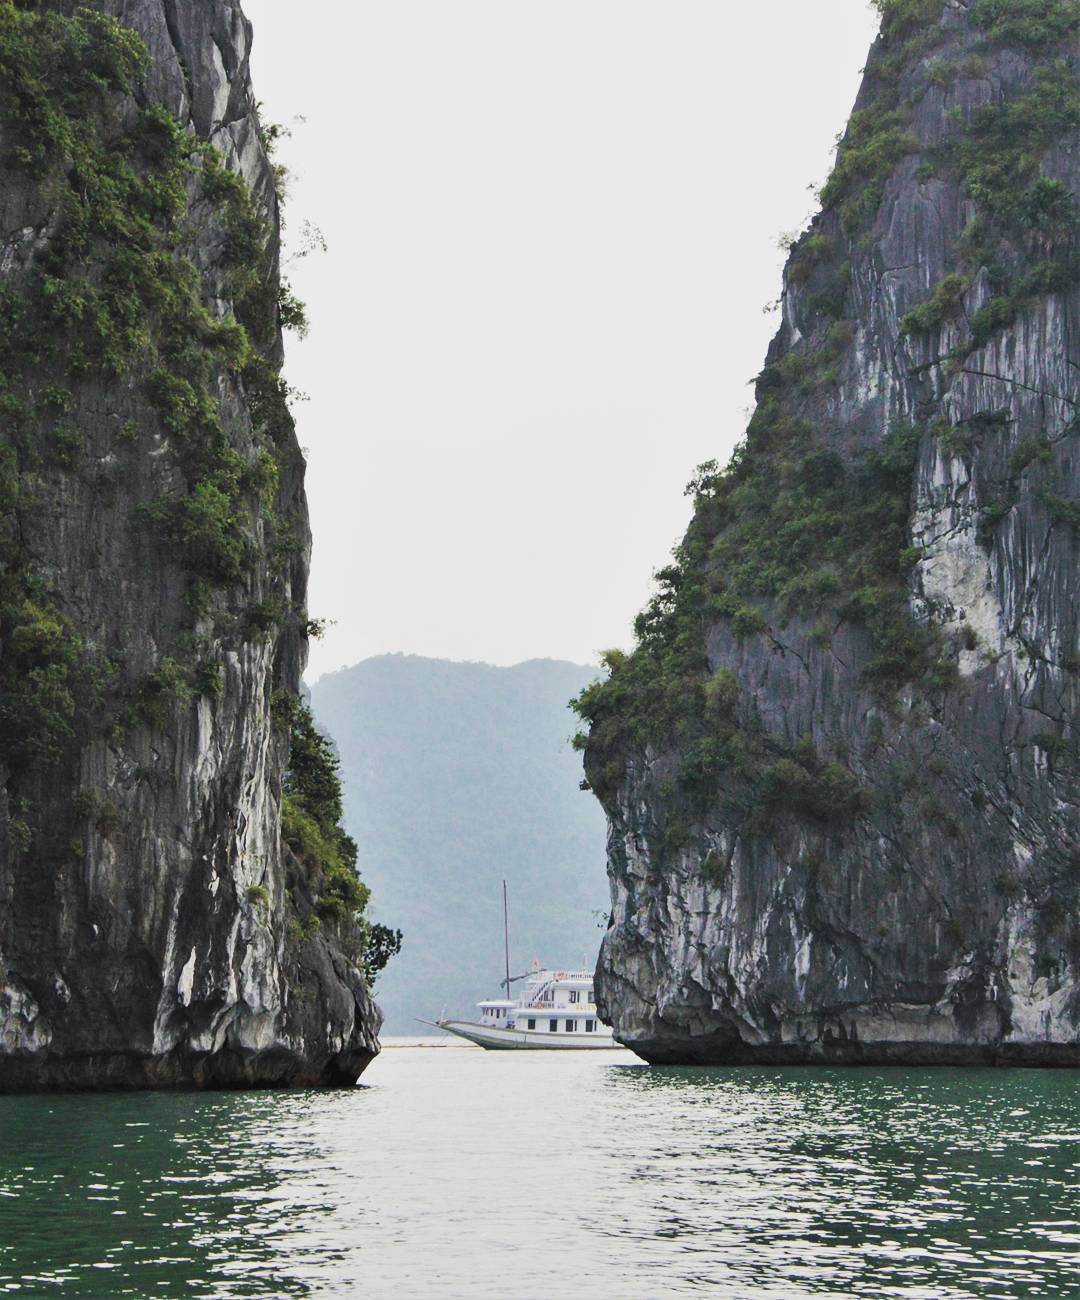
<point>556,1013</point>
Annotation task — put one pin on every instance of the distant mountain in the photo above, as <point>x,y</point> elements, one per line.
<point>457,775</point>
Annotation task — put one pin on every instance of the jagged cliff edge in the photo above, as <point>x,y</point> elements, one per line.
<point>841,766</point>
<point>154,546</point>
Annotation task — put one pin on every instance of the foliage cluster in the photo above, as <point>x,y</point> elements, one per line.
<point>879,134</point>
<point>944,306</point>
<point>1035,454</point>
<point>381,944</point>
<point>105,816</point>
<point>902,18</point>
<point>998,156</point>
<point>1024,231</point>
<point>793,523</point>
<point>311,814</point>
<point>169,684</point>
<point>960,439</point>
<point>42,666</point>
<point>811,369</point>
<point>810,252</point>
<point>874,142</point>
<point>1034,25</point>
<point>824,792</point>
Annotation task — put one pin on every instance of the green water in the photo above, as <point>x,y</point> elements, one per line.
<point>463,1173</point>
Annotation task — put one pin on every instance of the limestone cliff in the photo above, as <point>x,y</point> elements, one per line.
<point>154,548</point>
<point>841,766</point>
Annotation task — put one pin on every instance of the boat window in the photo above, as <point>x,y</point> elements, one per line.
<point>589,1026</point>
<point>573,995</point>
<point>570,1026</point>
<point>552,1025</point>
<point>532,1023</point>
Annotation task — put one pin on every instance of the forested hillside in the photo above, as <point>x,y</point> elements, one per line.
<point>457,775</point>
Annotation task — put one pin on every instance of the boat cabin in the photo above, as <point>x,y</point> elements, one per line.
<point>496,1012</point>
<point>555,990</point>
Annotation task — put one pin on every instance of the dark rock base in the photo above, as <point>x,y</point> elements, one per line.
<point>724,1051</point>
<point>128,1072</point>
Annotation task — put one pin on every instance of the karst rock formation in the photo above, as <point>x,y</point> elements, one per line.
<point>840,768</point>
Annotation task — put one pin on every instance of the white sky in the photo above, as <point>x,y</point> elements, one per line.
<point>552,229</point>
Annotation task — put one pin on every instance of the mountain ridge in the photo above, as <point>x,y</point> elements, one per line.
<point>457,775</point>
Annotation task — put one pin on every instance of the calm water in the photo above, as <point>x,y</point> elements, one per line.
<point>472,1174</point>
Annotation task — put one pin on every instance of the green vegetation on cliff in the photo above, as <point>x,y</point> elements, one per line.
<point>55,75</point>
<point>311,815</point>
<point>113,294</point>
<point>1024,229</point>
<point>810,520</point>
<point>111,290</point>
<point>791,528</point>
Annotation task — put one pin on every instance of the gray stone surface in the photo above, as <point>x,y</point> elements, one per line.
<point>146,955</point>
<point>943,927</point>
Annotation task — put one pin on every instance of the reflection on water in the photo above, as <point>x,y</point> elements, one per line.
<point>463,1173</point>
<point>895,1182</point>
<point>154,1194</point>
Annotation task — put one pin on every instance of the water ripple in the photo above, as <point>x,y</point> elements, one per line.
<point>462,1173</point>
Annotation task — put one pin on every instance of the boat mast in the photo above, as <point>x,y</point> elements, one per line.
<point>506,938</point>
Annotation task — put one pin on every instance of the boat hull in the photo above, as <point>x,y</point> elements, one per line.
<point>535,1040</point>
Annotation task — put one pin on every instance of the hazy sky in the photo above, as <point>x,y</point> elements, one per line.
<point>552,229</point>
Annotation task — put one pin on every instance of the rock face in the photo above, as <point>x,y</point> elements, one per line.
<point>841,767</point>
<point>153,565</point>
